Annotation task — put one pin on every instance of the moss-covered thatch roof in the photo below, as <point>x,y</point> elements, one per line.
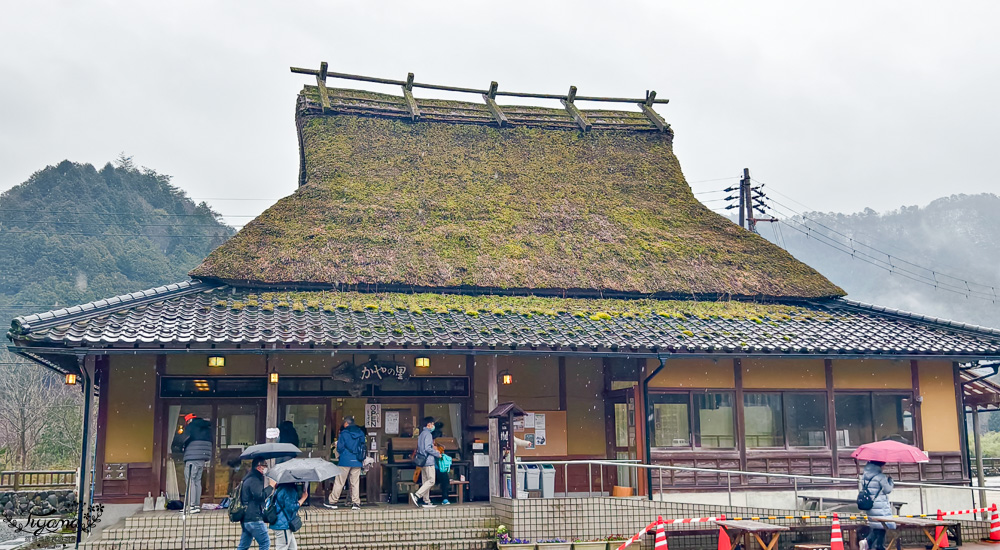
<point>455,201</point>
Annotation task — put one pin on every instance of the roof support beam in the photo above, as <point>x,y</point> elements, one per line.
<point>411,103</point>
<point>653,116</point>
<point>488,97</point>
<point>572,110</point>
<point>324,97</point>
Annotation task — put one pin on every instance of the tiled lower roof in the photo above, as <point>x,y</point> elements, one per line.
<point>198,314</point>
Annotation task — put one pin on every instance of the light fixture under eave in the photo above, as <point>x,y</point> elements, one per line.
<point>216,361</point>
<point>505,377</point>
<point>274,378</point>
<point>70,379</point>
<point>422,361</point>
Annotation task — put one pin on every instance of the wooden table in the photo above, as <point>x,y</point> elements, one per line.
<point>837,504</point>
<point>743,529</point>
<point>926,525</point>
<point>393,471</point>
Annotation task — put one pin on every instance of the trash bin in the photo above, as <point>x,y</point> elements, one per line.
<point>533,477</point>
<point>522,476</point>
<point>548,481</point>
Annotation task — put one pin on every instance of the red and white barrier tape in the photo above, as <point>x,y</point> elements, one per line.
<point>638,536</point>
<point>960,512</point>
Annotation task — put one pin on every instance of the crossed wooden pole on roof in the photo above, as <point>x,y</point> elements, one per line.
<point>489,96</point>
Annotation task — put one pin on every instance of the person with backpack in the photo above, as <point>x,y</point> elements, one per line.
<point>287,521</point>
<point>873,498</point>
<point>426,459</point>
<point>351,457</point>
<point>196,444</point>
<point>248,506</point>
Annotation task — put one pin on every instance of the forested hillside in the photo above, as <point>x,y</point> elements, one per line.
<point>954,242</point>
<point>71,234</point>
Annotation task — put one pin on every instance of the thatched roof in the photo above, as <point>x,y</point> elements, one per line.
<point>454,201</point>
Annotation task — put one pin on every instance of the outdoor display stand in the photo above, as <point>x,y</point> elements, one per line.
<point>505,413</point>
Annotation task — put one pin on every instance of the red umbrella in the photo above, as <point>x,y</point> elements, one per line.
<point>890,451</point>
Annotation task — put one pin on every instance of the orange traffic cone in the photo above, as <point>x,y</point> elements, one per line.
<point>724,542</point>
<point>940,535</point>
<point>836,536</point>
<point>661,536</point>
<point>994,526</point>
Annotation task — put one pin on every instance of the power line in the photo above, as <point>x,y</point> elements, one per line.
<point>889,257</point>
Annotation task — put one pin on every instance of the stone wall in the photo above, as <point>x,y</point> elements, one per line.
<point>38,503</point>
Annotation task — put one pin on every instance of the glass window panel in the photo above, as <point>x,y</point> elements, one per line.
<point>621,425</point>
<point>893,418</point>
<point>806,414</point>
<point>671,420</point>
<point>854,419</point>
<point>763,420</point>
<point>714,418</point>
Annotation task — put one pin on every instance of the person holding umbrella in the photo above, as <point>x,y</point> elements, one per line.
<point>287,501</point>
<point>873,496</point>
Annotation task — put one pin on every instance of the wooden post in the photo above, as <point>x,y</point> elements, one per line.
<point>493,399</point>
<point>977,439</point>
<point>572,110</point>
<point>647,109</point>
<point>271,413</point>
<point>411,103</point>
<point>82,486</point>
<point>831,421</point>
<point>324,97</point>
<point>491,104</point>
<point>740,428</point>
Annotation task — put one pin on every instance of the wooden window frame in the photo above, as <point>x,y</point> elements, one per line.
<point>693,437</point>
<point>908,394</point>
<point>784,420</point>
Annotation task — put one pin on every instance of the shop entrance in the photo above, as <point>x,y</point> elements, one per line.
<point>621,435</point>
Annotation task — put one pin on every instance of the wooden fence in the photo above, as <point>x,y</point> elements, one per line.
<point>37,479</point>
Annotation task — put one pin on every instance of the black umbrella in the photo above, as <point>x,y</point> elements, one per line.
<point>298,470</point>
<point>269,450</point>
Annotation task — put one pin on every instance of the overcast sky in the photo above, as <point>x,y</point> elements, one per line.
<point>841,106</point>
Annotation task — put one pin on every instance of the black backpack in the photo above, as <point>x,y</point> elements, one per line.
<point>236,507</point>
<point>270,512</point>
<point>865,500</point>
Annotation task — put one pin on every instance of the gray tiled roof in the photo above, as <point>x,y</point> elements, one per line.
<point>199,314</point>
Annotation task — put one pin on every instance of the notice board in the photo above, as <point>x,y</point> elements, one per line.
<point>554,431</point>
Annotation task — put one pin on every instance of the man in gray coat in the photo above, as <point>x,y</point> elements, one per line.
<point>196,444</point>
<point>426,460</point>
<point>878,485</point>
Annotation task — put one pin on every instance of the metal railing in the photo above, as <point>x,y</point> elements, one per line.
<point>37,479</point>
<point>657,473</point>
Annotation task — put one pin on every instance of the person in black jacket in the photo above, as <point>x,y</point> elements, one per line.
<point>253,494</point>
<point>196,444</point>
<point>287,434</point>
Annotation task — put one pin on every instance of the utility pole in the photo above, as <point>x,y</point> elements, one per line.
<point>747,200</point>
<point>744,183</point>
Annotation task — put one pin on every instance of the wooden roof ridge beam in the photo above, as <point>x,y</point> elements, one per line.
<point>489,98</point>
<point>410,102</point>
<point>653,116</point>
<point>324,96</point>
<point>567,102</point>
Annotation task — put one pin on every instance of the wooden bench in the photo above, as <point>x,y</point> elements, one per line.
<point>830,504</point>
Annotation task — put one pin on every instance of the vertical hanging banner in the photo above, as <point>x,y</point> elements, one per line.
<point>373,415</point>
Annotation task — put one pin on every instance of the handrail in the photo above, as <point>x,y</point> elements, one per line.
<point>755,474</point>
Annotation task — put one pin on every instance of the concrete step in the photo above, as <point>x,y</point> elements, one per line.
<point>333,536</point>
<point>375,516</point>
<point>311,525</point>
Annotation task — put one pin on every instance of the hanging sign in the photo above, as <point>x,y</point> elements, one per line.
<point>373,415</point>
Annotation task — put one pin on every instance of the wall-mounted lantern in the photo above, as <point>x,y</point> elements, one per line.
<point>70,379</point>
<point>505,377</point>
<point>423,361</point>
<point>216,361</point>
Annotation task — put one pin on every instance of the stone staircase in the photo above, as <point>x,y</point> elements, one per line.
<point>465,527</point>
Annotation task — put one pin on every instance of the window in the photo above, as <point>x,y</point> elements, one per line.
<point>784,419</point>
<point>806,419</point>
<point>709,413</point>
<point>714,420</point>
<point>763,420</point>
<point>671,422</point>
<point>866,417</point>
